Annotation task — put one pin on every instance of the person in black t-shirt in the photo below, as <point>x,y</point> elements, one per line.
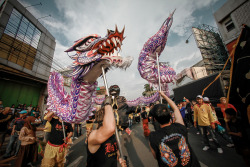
<point>14,138</point>
<point>169,145</point>
<point>189,112</point>
<point>238,134</point>
<point>55,150</point>
<point>102,147</point>
<point>154,122</point>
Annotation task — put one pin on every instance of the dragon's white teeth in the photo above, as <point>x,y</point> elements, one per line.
<point>118,40</point>
<point>108,41</point>
<point>104,43</point>
<point>114,41</point>
<point>101,46</point>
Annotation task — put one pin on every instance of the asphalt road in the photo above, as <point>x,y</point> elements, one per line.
<point>136,148</point>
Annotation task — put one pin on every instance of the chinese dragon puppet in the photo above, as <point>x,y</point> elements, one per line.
<point>94,52</point>
<point>147,62</point>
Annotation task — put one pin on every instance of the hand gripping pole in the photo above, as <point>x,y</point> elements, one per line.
<point>116,131</point>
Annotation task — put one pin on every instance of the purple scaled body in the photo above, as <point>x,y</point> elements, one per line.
<point>147,63</point>
<point>74,107</point>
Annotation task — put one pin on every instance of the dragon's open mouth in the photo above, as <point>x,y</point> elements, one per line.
<point>109,47</point>
<point>112,42</point>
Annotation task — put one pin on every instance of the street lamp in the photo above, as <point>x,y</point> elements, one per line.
<point>188,38</point>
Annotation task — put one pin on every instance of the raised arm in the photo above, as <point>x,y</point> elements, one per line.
<point>177,113</point>
<point>49,116</point>
<point>107,129</point>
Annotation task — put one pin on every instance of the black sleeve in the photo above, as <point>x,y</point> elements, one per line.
<point>153,142</point>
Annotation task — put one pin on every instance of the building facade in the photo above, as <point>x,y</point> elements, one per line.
<point>26,55</point>
<point>230,18</point>
<point>213,51</point>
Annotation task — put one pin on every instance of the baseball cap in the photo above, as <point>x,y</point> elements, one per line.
<point>23,112</point>
<point>199,96</point>
<point>206,99</point>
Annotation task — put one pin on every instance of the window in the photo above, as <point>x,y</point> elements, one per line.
<point>229,25</point>
<point>20,40</point>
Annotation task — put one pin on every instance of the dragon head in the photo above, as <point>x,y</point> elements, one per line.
<point>94,52</point>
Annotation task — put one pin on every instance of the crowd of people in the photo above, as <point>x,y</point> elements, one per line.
<point>168,141</point>
<point>21,124</point>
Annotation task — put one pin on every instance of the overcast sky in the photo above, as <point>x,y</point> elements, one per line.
<point>74,19</point>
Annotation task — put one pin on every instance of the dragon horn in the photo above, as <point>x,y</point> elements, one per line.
<point>116,29</point>
<point>108,31</point>
<point>123,30</point>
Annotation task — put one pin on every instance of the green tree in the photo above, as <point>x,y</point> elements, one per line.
<point>147,89</point>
